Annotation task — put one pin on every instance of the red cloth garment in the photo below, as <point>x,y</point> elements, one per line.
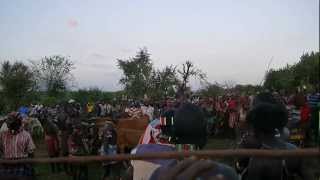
<point>52,145</point>
<point>232,104</point>
<point>305,113</point>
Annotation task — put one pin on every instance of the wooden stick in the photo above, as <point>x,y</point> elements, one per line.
<point>312,152</point>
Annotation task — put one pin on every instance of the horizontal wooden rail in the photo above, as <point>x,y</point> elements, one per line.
<point>305,153</point>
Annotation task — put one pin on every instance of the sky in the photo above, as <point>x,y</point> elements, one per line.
<point>230,40</point>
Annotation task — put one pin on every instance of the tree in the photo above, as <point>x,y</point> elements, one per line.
<point>54,73</point>
<point>140,78</point>
<point>304,73</point>
<point>163,83</point>
<point>137,73</point>
<point>212,90</point>
<point>279,79</point>
<point>189,70</point>
<point>17,83</point>
<point>229,84</point>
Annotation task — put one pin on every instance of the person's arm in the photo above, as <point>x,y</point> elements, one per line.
<point>30,146</point>
<point>190,169</point>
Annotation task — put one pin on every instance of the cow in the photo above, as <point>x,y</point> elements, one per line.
<point>129,131</point>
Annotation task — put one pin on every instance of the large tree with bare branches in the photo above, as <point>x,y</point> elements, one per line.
<point>189,70</point>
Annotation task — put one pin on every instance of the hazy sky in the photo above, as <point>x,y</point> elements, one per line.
<point>229,40</point>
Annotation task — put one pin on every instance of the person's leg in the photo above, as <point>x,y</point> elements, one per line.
<point>52,168</point>
<point>83,172</point>
<point>106,171</point>
<point>58,168</point>
<point>315,124</point>
<point>75,172</point>
<point>86,170</point>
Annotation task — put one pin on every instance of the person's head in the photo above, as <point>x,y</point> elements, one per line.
<point>146,103</point>
<point>265,118</point>
<point>264,97</point>
<point>169,103</point>
<point>14,121</point>
<point>190,125</point>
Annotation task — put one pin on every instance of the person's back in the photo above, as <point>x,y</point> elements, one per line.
<point>265,118</point>
<point>269,169</point>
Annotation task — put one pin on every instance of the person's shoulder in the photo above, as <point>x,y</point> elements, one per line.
<point>153,148</point>
<point>226,171</point>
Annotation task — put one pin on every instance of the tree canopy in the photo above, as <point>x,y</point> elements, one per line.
<point>136,73</point>
<point>305,73</point>
<point>17,83</point>
<point>53,73</point>
<point>141,78</point>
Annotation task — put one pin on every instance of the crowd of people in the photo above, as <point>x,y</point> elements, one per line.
<point>263,121</point>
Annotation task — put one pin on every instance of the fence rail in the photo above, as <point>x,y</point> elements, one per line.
<point>305,153</point>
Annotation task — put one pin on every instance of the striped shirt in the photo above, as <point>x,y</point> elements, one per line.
<point>15,146</point>
<point>313,100</point>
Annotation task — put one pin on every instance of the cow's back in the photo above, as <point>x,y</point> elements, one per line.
<point>130,130</point>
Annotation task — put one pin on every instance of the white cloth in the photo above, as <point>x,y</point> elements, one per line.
<point>4,127</point>
<point>143,170</point>
<point>103,109</point>
<point>149,111</point>
<point>108,108</point>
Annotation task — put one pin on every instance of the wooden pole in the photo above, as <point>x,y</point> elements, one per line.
<point>305,153</point>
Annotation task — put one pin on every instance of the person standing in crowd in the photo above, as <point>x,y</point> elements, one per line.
<point>267,118</point>
<point>314,104</point>
<point>16,143</point>
<point>64,131</point>
<point>24,111</point>
<point>148,109</point>
<point>97,109</point>
<point>51,138</point>
<point>299,116</point>
<point>78,146</point>
<point>109,109</point>
<point>109,147</point>
<point>103,109</point>
<point>90,108</point>
<point>115,111</point>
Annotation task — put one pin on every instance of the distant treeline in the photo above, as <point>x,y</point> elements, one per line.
<point>302,75</point>
<point>48,81</point>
